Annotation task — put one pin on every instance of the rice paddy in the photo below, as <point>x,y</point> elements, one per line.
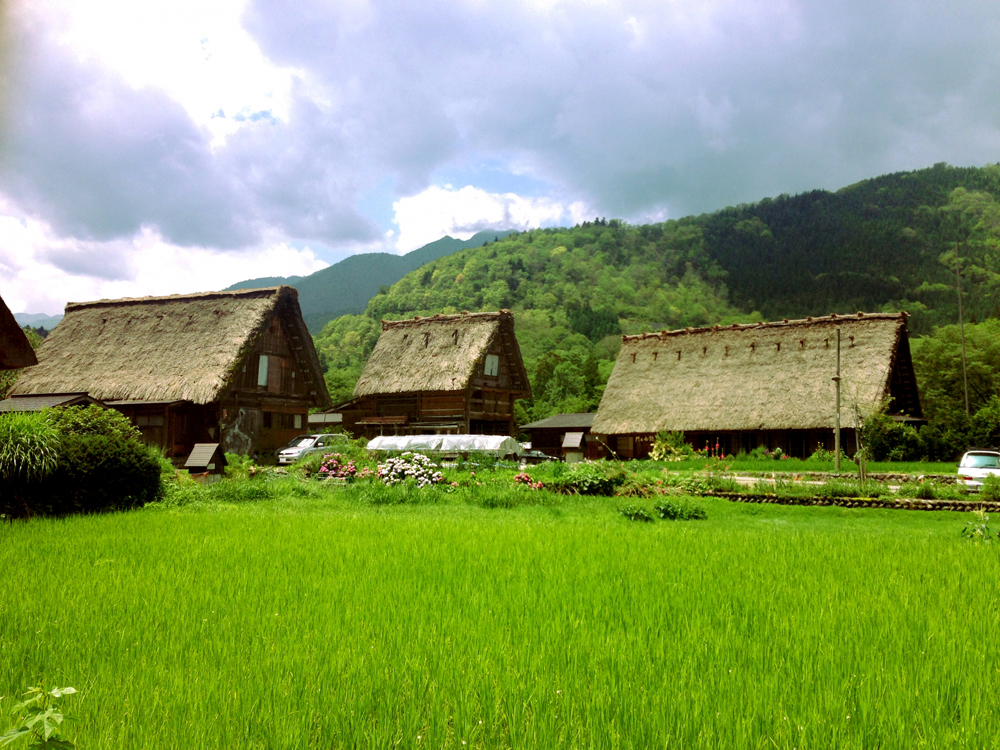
<point>323,620</point>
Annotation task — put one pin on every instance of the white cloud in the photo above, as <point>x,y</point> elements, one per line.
<point>41,272</point>
<point>198,53</point>
<point>438,211</point>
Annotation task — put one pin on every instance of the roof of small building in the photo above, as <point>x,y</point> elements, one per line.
<point>183,347</point>
<point>204,454</point>
<point>46,401</point>
<point>15,351</point>
<point>438,353</point>
<point>562,422</point>
<point>751,377</point>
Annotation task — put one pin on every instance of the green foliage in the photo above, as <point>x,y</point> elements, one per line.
<point>884,439</point>
<point>39,719</point>
<point>239,491</point>
<point>589,478</point>
<point>990,490</point>
<point>671,446</point>
<point>979,529</point>
<point>636,513</point>
<point>573,291</point>
<point>92,420</point>
<point>80,459</point>
<point>680,510</point>
<point>29,448</point>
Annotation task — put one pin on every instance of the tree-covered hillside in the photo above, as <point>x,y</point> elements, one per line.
<point>891,243</point>
<point>573,292</point>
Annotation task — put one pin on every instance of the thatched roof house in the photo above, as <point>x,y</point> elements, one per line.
<point>15,351</point>
<point>447,373</point>
<point>753,383</point>
<point>246,356</point>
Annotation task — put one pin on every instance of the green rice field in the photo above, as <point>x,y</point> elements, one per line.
<point>322,620</point>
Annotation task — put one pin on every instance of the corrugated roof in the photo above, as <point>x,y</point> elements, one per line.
<point>46,401</point>
<point>202,455</point>
<point>750,377</point>
<point>562,421</point>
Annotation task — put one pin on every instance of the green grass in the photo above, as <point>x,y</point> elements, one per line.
<point>323,620</point>
<point>808,464</point>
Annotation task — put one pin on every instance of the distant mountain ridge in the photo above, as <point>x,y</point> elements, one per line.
<point>345,287</point>
<point>37,320</point>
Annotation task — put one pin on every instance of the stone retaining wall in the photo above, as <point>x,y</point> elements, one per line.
<point>861,502</point>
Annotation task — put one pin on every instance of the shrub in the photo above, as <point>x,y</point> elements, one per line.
<point>680,510</point>
<point>101,465</point>
<point>990,491</point>
<point>635,513</point>
<point>410,466</point>
<point>887,440</point>
<point>590,478</point>
<point>93,421</point>
<point>334,465</point>
<point>670,446</point>
<point>640,485</point>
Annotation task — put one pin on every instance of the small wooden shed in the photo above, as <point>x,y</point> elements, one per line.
<point>207,460</point>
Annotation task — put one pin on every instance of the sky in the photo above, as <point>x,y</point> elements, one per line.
<point>173,146</point>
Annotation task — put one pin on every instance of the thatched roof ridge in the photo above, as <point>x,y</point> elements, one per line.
<point>751,377</point>
<point>15,351</point>
<point>180,347</point>
<point>434,353</point>
<point>798,324</point>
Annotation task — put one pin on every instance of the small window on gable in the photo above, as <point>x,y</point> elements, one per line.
<point>454,336</point>
<point>492,366</point>
<point>262,371</point>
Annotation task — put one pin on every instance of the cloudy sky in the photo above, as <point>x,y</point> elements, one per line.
<point>169,146</point>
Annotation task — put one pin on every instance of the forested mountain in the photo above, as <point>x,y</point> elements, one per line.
<point>883,244</point>
<point>345,287</point>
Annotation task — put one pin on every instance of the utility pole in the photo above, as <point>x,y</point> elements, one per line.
<point>836,429</point>
<point>961,329</point>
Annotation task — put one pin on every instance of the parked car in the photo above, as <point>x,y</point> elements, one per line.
<point>975,466</point>
<point>303,445</point>
<point>536,457</point>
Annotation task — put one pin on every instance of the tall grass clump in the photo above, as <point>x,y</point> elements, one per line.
<point>29,447</point>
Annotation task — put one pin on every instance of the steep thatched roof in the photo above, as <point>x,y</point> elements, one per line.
<point>15,351</point>
<point>754,377</point>
<point>182,347</point>
<point>440,353</point>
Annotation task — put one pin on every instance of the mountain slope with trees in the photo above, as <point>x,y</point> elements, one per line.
<point>345,287</point>
<point>890,243</point>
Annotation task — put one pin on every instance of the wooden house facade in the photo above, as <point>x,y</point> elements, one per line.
<point>237,368</point>
<point>458,374</point>
<point>734,388</point>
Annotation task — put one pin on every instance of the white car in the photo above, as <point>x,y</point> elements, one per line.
<point>303,445</point>
<point>975,466</point>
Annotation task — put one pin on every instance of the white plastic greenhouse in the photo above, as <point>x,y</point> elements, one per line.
<point>500,446</point>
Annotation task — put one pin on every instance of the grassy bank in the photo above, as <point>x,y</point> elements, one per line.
<point>324,619</point>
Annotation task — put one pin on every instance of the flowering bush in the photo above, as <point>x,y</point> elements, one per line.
<point>670,446</point>
<point>415,466</point>
<point>527,481</point>
<point>333,466</point>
